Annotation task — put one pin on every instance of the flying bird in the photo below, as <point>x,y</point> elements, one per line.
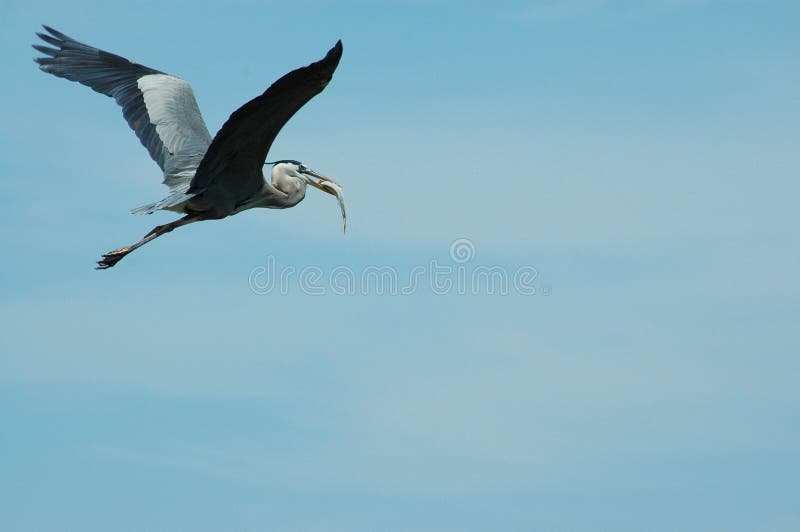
<point>208,179</point>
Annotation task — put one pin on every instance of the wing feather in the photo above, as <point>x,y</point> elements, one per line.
<point>160,108</point>
<point>239,149</point>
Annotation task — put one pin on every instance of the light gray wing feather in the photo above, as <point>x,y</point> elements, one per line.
<point>160,108</point>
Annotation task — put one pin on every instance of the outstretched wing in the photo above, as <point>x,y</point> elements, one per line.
<point>240,148</point>
<point>160,108</point>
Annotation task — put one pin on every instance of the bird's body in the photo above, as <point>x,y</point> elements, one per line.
<point>208,178</point>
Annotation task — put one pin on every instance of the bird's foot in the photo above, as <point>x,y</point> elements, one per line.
<point>112,257</point>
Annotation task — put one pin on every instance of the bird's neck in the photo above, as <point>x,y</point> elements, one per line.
<point>272,198</point>
<point>293,197</point>
<point>290,190</point>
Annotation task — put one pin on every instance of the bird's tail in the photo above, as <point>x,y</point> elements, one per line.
<point>172,202</point>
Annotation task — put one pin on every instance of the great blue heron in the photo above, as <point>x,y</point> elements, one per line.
<point>208,179</point>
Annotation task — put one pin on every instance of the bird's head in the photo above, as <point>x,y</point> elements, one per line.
<point>288,174</point>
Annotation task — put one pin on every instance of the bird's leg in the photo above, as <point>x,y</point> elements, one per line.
<point>113,257</point>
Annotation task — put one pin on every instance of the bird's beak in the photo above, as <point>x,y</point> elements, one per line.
<point>333,188</point>
<point>322,179</point>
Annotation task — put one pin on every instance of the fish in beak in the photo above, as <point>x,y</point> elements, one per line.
<point>330,186</point>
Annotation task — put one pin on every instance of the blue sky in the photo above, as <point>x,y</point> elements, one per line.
<point>641,157</point>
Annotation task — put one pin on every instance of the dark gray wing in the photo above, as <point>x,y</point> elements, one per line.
<point>240,148</point>
<point>160,108</point>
